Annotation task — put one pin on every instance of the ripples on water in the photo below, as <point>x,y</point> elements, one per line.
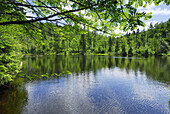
<point>95,86</point>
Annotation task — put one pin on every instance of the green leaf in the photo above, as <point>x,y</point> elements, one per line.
<point>140,2</point>
<point>145,5</point>
<point>136,5</point>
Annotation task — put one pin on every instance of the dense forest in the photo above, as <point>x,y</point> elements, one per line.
<point>16,42</point>
<point>154,41</point>
<point>21,34</point>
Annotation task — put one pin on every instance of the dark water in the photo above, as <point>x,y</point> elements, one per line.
<point>98,84</point>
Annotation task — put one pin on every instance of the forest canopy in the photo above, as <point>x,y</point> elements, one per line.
<point>101,15</point>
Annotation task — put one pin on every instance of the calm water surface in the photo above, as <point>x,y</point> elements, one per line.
<point>98,84</point>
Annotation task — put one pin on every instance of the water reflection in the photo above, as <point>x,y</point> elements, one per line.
<point>98,84</point>
<point>13,99</point>
<point>155,68</point>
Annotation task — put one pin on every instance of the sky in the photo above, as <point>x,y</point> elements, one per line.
<point>160,14</point>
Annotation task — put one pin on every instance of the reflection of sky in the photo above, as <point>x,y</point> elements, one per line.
<point>112,91</point>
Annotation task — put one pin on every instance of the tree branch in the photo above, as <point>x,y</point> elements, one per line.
<point>40,19</point>
<point>28,5</point>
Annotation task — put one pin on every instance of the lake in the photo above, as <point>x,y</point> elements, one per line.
<point>98,84</point>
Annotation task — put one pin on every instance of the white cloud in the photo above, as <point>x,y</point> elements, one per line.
<point>144,93</point>
<point>117,31</point>
<point>158,11</point>
<point>153,22</point>
<point>148,23</point>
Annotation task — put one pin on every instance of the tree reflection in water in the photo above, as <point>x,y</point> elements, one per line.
<point>15,98</point>
<point>156,68</point>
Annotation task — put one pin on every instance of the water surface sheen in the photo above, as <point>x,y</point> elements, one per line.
<point>98,84</point>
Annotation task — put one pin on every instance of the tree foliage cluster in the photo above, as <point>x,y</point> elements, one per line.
<point>10,52</point>
<point>102,15</point>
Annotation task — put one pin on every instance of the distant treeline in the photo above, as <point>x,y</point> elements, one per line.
<point>154,41</point>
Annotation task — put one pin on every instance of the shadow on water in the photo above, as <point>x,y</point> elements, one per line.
<point>13,98</point>
<point>84,68</point>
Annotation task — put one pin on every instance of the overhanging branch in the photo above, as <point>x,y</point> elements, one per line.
<point>40,19</point>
